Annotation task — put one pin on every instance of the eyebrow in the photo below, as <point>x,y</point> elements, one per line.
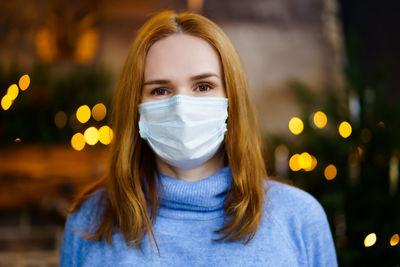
<point>193,78</point>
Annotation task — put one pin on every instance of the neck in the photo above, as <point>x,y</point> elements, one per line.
<point>205,170</point>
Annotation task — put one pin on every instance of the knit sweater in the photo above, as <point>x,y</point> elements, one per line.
<point>293,231</point>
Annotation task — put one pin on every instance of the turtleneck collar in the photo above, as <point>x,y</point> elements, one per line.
<point>200,200</point>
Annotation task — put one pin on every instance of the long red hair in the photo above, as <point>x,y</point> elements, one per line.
<point>130,182</point>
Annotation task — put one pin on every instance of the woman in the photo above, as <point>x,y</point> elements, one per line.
<point>186,167</point>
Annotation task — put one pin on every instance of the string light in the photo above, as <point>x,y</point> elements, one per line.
<point>13,91</point>
<point>294,163</point>
<point>370,240</point>
<point>83,114</point>
<point>296,125</point>
<point>6,102</point>
<point>99,111</point>
<point>91,136</point>
<point>24,82</point>
<point>320,119</point>
<point>78,141</point>
<point>105,135</point>
<point>330,172</point>
<point>394,240</point>
<point>345,129</point>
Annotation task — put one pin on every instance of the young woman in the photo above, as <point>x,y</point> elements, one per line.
<point>186,183</point>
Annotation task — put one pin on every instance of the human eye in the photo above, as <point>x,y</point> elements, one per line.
<point>159,92</point>
<point>204,87</point>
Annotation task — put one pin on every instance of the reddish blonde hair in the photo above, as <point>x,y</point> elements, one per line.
<point>130,183</point>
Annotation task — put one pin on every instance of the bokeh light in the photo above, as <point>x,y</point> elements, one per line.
<point>320,119</point>
<point>13,91</point>
<point>345,129</point>
<point>330,172</point>
<point>24,82</point>
<point>394,240</point>
<point>91,136</point>
<point>6,102</point>
<point>83,114</point>
<point>305,160</point>
<point>294,163</point>
<point>60,119</point>
<point>99,111</point>
<point>370,240</point>
<point>314,163</point>
<point>105,135</point>
<point>296,125</point>
<point>78,141</point>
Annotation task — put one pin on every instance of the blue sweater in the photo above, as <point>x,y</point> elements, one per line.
<point>294,231</point>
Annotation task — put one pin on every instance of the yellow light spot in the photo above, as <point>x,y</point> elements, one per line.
<point>46,45</point>
<point>17,140</point>
<point>78,141</point>
<point>296,125</point>
<point>370,240</point>
<point>314,163</point>
<point>99,111</point>
<point>305,160</point>
<point>394,240</point>
<point>330,172</point>
<point>13,91</point>
<point>345,129</point>
<point>6,102</point>
<point>106,135</point>
<point>24,82</point>
<point>86,45</point>
<point>294,163</point>
<point>381,124</point>
<point>91,136</point>
<point>83,114</point>
<point>320,119</point>
<point>60,119</point>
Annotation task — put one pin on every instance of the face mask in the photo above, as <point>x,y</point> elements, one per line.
<point>184,131</point>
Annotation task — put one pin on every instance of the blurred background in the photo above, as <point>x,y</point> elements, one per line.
<point>323,76</point>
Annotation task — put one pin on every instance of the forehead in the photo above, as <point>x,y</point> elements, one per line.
<point>179,56</point>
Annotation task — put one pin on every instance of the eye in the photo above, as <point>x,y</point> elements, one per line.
<point>159,91</point>
<point>204,87</point>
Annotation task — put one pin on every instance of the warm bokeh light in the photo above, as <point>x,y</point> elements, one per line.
<point>6,102</point>
<point>370,240</point>
<point>86,46</point>
<point>13,91</point>
<point>24,82</point>
<point>60,119</point>
<point>305,160</point>
<point>83,114</point>
<point>78,141</point>
<point>294,163</point>
<point>330,172</point>
<point>314,163</point>
<point>99,111</point>
<point>345,129</point>
<point>18,140</point>
<point>394,240</point>
<point>105,135</point>
<point>296,125</point>
<point>320,119</point>
<point>91,136</point>
<point>46,45</point>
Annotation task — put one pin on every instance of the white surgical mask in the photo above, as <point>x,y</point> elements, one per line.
<point>184,131</point>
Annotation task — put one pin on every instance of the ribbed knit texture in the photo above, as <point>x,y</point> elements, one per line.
<point>294,230</point>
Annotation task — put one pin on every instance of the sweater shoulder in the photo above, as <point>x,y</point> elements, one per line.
<point>292,204</point>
